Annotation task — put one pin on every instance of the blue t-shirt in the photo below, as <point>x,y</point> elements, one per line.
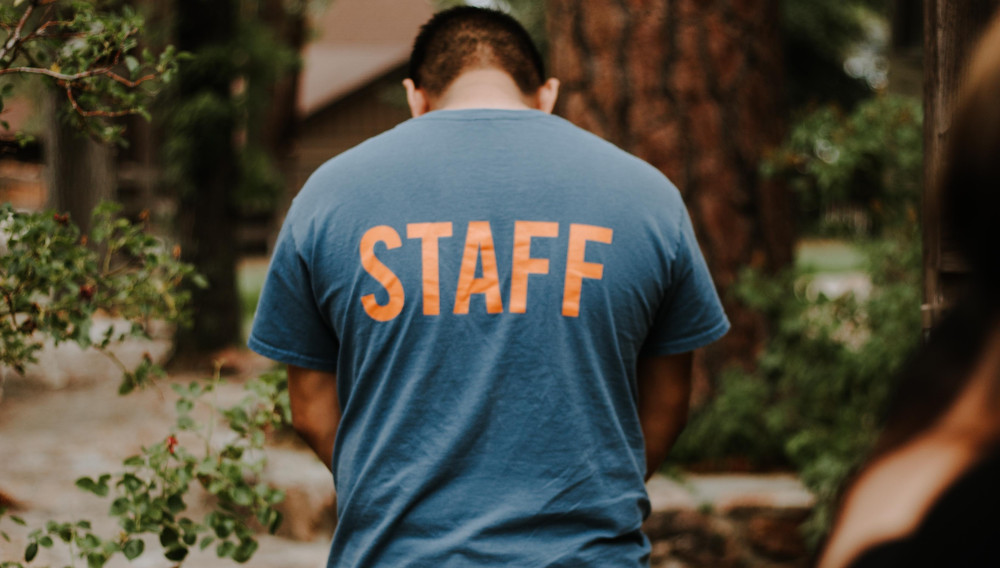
<point>483,282</point>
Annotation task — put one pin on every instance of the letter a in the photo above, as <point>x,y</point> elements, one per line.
<point>381,273</point>
<point>479,242</point>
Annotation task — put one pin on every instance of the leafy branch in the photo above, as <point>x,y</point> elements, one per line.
<point>149,495</point>
<point>91,55</point>
<point>53,284</point>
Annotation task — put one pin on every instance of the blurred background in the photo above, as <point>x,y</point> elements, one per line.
<point>794,129</point>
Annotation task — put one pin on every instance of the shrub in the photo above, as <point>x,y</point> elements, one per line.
<point>869,160</point>
<point>52,282</point>
<point>816,399</point>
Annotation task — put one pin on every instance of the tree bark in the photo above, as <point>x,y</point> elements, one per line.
<point>951,30</point>
<point>206,227</point>
<point>695,89</point>
<point>278,126</point>
<point>80,171</point>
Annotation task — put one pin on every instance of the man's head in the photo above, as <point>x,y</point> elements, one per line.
<point>485,54</point>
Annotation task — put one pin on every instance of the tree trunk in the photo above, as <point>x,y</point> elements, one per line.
<point>951,30</point>
<point>277,127</point>
<point>205,214</point>
<point>79,170</point>
<point>694,88</point>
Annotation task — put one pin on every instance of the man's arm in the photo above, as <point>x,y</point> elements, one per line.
<point>315,409</point>
<point>664,393</point>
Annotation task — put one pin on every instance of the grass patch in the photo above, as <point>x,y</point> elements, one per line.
<point>828,255</point>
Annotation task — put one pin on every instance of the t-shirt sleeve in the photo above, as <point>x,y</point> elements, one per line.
<point>289,326</point>
<point>690,315</point>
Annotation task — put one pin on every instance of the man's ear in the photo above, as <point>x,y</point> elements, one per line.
<point>545,98</point>
<point>416,98</point>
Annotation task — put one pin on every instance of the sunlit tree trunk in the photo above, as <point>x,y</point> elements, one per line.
<point>694,88</point>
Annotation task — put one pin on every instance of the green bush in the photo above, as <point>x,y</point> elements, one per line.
<point>869,160</point>
<point>53,280</point>
<point>816,400</point>
<point>52,283</point>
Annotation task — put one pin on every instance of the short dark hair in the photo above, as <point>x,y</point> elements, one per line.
<point>467,37</point>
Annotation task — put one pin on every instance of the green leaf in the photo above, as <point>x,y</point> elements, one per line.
<point>276,519</point>
<point>176,553</point>
<point>223,526</point>
<point>131,482</point>
<point>245,551</point>
<point>134,461</point>
<point>96,560</point>
<point>206,542</point>
<point>242,496</point>
<point>120,506</point>
<point>90,541</point>
<point>46,542</point>
<point>199,281</point>
<point>31,552</point>
<point>168,537</point>
<point>133,548</point>
<point>225,548</point>
<point>17,520</point>
<point>175,503</point>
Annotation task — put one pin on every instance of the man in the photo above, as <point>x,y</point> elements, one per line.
<point>487,316</point>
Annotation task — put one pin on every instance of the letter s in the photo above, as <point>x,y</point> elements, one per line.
<point>381,273</point>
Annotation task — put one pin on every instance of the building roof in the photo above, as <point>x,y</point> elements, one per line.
<point>356,42</point>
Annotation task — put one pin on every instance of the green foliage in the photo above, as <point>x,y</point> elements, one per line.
<point>817,397</point>
<point>148,495</point>
<point>818,36</point>
<point>869,160</point>
<point>52,282</point>
<point>89,53</point>
<point>202,120</point>
<point>828,370</point>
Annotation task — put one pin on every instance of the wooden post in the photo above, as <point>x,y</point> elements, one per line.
<point>951,30</point>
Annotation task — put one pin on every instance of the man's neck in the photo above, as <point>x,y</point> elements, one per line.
<point>483,88</point>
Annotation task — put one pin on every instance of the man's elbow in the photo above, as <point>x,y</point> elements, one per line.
<point>307,429</point>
